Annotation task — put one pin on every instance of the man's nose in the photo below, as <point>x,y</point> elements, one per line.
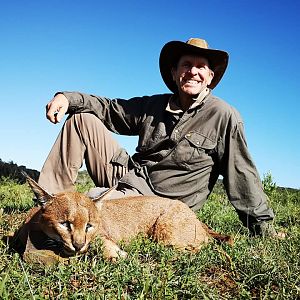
<point>193,70</point>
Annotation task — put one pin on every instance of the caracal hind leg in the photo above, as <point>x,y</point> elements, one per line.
<point>179,227</point>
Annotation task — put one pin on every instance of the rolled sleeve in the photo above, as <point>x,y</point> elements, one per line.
<point>118,115</point>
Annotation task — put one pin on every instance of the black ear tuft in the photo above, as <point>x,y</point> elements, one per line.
<point>41,194</point>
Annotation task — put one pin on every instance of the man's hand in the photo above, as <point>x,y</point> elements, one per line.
<point>56,108</point>
<point>266,229</point>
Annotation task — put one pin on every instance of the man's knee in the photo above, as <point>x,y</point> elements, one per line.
<point>85,120</point>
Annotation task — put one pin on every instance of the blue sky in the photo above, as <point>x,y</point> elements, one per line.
<point>111,48</point>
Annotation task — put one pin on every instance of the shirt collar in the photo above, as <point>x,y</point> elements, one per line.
<point>174,107</point>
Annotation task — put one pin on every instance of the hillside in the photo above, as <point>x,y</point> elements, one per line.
<point>13,171</point>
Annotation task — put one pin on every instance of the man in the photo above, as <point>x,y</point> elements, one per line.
<point>186,139</point>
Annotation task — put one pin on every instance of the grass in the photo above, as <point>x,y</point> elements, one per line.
<point>253,268</point>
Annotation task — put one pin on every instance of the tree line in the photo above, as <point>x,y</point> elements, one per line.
<point>13,171</point>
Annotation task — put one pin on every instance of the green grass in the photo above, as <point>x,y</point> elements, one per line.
<point>253,268</point>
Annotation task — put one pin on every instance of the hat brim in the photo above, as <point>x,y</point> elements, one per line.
<point>172,51</point>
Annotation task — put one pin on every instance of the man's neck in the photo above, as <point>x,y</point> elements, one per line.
<point>185,101</point>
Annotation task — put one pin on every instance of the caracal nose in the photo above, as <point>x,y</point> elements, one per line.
<point>78,246</point>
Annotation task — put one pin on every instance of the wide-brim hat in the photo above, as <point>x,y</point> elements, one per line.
<point>172,51</point>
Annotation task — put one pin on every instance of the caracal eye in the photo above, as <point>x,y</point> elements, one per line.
<point>66,224</point>
<point>88,227</point>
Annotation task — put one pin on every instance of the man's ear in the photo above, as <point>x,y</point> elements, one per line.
<point>211,76</point>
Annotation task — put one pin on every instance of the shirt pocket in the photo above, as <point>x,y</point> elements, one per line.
<point>194,151</point>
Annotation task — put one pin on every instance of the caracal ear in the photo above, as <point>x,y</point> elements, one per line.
<point>41,194</point>
<point>104,195</point>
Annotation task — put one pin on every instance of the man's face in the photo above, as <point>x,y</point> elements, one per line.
<point>192,75</point>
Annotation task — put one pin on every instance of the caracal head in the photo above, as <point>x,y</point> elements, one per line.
<point>70,218</point>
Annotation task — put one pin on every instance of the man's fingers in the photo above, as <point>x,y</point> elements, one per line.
<point>59,115</point>
<point>51,113</point>
<point>280,235</point>
<point>56,108</point>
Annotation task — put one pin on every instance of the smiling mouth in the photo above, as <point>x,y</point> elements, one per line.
<point>191,82</point>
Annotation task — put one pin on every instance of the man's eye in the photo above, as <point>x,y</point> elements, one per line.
<point>66,224</point>
<point>88,226</point>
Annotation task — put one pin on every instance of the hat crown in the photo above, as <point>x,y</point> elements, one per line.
<point>198,43</point>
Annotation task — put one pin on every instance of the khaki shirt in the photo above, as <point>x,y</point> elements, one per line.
<point>180,155</point>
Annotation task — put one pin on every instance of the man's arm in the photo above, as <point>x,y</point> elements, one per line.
<point>242,182</point>
<point>118,115</point>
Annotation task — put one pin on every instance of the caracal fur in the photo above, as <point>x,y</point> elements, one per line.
<point>66,223</point>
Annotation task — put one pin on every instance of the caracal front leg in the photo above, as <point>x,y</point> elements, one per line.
<point>111,250</point>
